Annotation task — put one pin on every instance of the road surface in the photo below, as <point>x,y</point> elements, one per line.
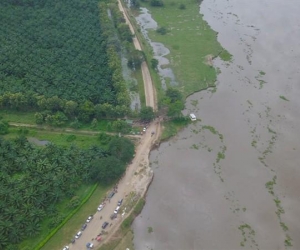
<point>148,84</point>
<point>131,182</point>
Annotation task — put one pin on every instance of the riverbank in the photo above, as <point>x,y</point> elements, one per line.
<point>191,43</point>
<point>133,187</point>
<point>238,167</point>
<point>114,241</point>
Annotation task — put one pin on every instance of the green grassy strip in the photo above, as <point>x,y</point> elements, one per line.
<point>172,127</point>
<point>54,231</point>
<point>60,138</point>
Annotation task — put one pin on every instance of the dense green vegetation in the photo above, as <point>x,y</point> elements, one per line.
<point>40,52</point>
<point>57,59</point>
<point>33,180</point>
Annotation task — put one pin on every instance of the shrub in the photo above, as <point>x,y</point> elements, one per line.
<point>182,6</point>
<point>71,138</point>
<point>162,30</point>
<point>3,127</point>
<point>157,3</point>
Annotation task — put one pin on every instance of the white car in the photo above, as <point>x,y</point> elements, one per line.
<point>78,235</point>
<point>100,207</point>
<point>66,248</point>
<point>89,218</point>
<point>117,209</point>
<point>193,117</point>
<point>144,129</point>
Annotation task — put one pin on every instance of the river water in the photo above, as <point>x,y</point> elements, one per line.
<point>231,180</point>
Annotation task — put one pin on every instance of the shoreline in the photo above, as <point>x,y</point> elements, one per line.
<point>139,183</point>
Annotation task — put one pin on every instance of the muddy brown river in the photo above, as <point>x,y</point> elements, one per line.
<point>232,179</point>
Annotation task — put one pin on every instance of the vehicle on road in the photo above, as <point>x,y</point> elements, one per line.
<point>104,225</point>
<point>66,248</point>
<point>83,227</point>
<point>144,129</point>
<point>77,236</point>
<point>113,216</point>
<point>193,117</point>
<point>101,206</point>
<point>89,245</point>
<point>120,202</point>
<point>117,209</point>
<point>89,218</point>
<point>98,238</point>
<point>111,195</point>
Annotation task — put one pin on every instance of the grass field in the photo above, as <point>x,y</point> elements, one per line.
<point>140,86</point>
<point>58,138</point>
<point>190,41</point>
<point>20,117</point>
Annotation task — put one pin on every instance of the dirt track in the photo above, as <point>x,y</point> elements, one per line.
<point>138,174</point>
<point>148,84</point>
<point>131,182</point>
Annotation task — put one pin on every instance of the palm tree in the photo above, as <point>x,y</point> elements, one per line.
<point>10,212</point>
<point>33,228</point>
<point>3,240</point>
<point>15,236</point>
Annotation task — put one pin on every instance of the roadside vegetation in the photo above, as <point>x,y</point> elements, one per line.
<point>66,233</point>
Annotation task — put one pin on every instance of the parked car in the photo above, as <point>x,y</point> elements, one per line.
<point>89,218</point>
<point>89,245</point>
<point>120,202</point>
<point>117,209</point>
<point>77,236</point>
<point>104,225</point>
<point>83,227</point>
<point>100,207</point>
<point>73,241</point>
<point>111,195</point>
<point>193,117</point>
<point>66,248</point>
<point>113,216</point>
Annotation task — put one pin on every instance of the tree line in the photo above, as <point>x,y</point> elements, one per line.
<point>33,180</point>
<point>60,110</point>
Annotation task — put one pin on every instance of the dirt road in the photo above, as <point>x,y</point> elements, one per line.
<point>67,130</point>
<point>148,84</point>
<point>131,182</point>
<point>138,174</point>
